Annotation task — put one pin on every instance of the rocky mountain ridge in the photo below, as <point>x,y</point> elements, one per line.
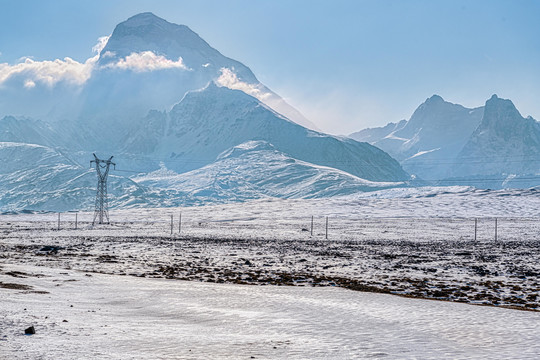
<point>443,143</point>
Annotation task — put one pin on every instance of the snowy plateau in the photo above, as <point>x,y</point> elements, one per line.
<point>239,230</point>
<point>373,283</point>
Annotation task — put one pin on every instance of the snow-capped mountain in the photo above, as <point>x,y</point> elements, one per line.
<point>504,143</point>
<point>30,131</point>
<point>426,143</point>
<point>207,122</point>
<point>489,146</point>
<point>146,63</point>
<point>157,96</point>
<point>214,143</point>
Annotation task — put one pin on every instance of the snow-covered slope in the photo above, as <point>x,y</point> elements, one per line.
<point>208,122</point>
<point>47,172</point>
<point>253,170</point>
<point>35,177</point>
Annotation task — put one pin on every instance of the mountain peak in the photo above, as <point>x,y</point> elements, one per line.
<point>503,136</point>
<point>148,32</point>
<point>502,110</point>
<point>495,101</point>
<point>435,103</point>
<point>143,18</point>
<point>435,99</point>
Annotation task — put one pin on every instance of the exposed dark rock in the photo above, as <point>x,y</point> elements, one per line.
<point>51,249</point>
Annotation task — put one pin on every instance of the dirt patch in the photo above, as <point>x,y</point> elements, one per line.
<point>14,286</point>
<point>502,273</point>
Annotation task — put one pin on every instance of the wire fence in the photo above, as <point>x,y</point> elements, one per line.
<point>272,226</point>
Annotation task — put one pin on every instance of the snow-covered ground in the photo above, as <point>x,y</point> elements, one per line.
<point>413,242</point>
<point>95,316</point>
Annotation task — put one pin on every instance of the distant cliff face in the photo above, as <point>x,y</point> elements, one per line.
<point>448,141</point>
<point>503,143</point>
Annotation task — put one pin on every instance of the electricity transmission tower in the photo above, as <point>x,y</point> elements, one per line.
<point>101,212</point>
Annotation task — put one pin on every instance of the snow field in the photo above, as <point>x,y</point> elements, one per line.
<point>114,317</point>
<point>413,242</point>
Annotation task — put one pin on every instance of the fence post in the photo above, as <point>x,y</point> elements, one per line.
<point>76,220</point>
<point>58,221</point>
<point>475,227</point>
<point>495,229</point>
<point>326,236</point>
<point>311,225</point>
<point>172,224</point>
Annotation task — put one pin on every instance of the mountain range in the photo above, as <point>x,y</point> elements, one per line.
<point>186,125</point>
<point>492,146</point>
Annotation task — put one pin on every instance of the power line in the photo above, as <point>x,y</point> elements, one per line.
<point>131,171</point>
<point>481,160</point>
<point>465,180</point>
<point>517,179</point>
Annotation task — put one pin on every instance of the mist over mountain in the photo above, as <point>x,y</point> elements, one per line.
<point>146,63</point>
<point>445,143</point>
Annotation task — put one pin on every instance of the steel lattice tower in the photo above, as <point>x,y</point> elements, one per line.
<point>101,212</point>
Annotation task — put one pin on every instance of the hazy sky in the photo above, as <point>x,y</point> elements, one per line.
<point>346,65</point>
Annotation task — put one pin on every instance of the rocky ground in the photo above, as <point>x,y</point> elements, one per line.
<point>500,273</point>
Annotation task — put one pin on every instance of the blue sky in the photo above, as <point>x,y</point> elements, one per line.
<point>346,65</point>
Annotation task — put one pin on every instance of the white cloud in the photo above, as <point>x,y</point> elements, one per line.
<point>29,84</point>
<point>102,42</point>
<point>49,72</point>
<point>229,79</point>
<point>108,54</point>
<point>147,61</point>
